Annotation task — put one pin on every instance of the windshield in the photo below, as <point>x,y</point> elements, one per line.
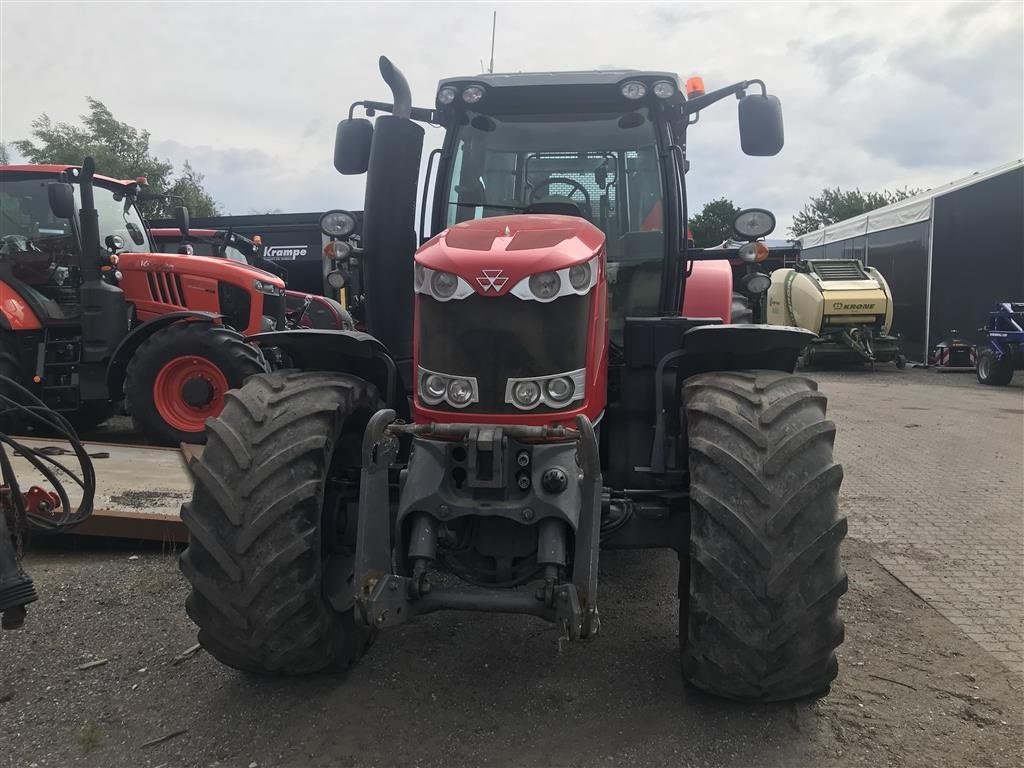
<point>603,166</point>
<point>26,216</point>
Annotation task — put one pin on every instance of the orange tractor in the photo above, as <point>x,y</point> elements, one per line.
<point>553,370</point>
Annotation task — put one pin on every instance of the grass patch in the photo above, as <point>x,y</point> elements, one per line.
<point>89,738</point>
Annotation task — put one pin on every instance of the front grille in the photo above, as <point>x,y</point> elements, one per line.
<point>166,288</point>
<point>234,305</point>
<point>498,338</point>
<point>273,306</point>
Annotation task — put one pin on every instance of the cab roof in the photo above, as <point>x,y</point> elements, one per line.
<point>56,170</point>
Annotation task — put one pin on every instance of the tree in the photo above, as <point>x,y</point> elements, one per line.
<point>5,157</point>
<point>714,223</point>
<point>121,151</point>
<point>834,205</point>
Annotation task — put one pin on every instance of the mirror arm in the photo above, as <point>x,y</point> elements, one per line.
<point>700,102</point>
<point>420,114</point>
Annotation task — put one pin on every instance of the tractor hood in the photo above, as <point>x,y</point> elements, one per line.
<point>202,266</point>
<point>494,254</point>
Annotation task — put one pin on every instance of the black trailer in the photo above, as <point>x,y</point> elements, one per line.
<point>948,254</point>
<point>292,239</point>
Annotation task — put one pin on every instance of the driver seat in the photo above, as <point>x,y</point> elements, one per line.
<point>556,204</point>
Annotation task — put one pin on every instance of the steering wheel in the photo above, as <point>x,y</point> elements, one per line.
<point>586,208</point>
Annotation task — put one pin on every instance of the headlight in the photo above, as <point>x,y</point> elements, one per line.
<point>446,95</point>
<point>634,90</point>
<point>443,284</point>
<point>579,276</point>
<point>337,224</point>
<point>437,388</point>
<point>338,250</point>
<point>264,286</point>
<point>663,89</point>
<point>553,391</point>
<point>460,391</point>
<point>560,389</point>
<point>755,283</point>
<point>472,94</point>
<point>753,252</point>
<point>753,223</point>
<point>526,393</point>
<point>336,280</point>
<point>545,285</point>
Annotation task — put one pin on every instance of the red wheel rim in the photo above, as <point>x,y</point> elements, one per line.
<point>169,392</point>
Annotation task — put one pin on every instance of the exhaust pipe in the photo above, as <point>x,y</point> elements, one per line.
<point>88,220</point>
<point>399,86</point>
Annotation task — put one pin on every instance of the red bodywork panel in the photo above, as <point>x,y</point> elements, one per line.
<point>54,170</point>
<point>18,314</point>
<point>709,291</point>
<point>521,246</point>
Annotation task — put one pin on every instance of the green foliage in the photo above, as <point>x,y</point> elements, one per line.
<point>5,157</point>
<point>714,223</point>
<point>89,738</point>
<point>121,151</point>
<point>834,205</point>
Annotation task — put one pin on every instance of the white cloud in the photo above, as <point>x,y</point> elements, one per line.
<point>875,94</point>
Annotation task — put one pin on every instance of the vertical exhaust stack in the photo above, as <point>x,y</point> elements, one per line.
<point>389,221</point>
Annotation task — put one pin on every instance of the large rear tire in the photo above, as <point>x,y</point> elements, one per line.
<point>759,614</point>
<point>178,378</point>
<point>257,557</point>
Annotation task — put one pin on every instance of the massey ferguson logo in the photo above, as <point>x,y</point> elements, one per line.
<point>287,252</point>
<point>852,307</point>
<point>492,279</point>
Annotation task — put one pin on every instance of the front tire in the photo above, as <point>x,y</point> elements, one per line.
<point>178,377</point>
<point>991,370</point>
<point>760,619</point>
<point>257,556</point>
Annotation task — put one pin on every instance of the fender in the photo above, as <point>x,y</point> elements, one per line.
<point>743,347</point>
<point>118,365</point>
<point>709,291</point>
<point>351,352</point>
<point>16,314</point>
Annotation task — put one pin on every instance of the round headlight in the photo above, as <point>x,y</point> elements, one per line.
<point>579,276</point>
<point>545,285</point>
<point>443,285</point>
<point>339,249</point>
<point>446,95</point>
<point>663,89</point>
<point>753,223</point>
<point>755,283</point>
<point>752,252</point>
<point>419,274</point>
<point>561,389</point>
<point>434,386</point>
<point>336,280</point>
<point>460,391</point>
<point>634,90</point>
<point>526,393</point>
<point>337,223</point>
<point>472,94</point>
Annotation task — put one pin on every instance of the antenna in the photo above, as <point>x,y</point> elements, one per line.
<point>494,29</point>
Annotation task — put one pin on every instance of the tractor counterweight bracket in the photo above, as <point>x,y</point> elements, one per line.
<point>373,534</point>
<point>588,535</point>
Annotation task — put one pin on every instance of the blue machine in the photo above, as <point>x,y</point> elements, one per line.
<point>1002,352</point>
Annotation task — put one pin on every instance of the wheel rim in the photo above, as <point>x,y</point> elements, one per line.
<point>187,391</point>
<point>983,366</point>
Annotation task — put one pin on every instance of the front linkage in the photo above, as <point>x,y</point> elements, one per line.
<point>548,477</point>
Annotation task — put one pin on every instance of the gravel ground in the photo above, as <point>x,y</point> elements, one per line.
<point>474,690</point>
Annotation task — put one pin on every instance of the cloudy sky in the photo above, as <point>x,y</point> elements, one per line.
<point>875,94</point>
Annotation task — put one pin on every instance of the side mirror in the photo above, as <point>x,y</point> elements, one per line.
<point>62,199</point>
<point>352,146</point>
<point>181,218</point>
<point>760,119</point>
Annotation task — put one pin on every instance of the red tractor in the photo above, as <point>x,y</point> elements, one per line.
<point>91,315</point>
<point>302,310</point>
<point>552,372</point>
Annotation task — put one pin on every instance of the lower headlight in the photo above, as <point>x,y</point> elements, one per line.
<point>460,392</point>
<point>545,285</point>
<point>434,386</point>
<point>755,283</point>
<point>579,276</point>
<point>560,390</point>
<point>336,279</point>
<point>526,393</point>
<point>443,285</point>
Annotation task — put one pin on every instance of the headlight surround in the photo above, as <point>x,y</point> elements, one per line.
<point>577,279</point>
<point>267,287</point>
<point>426,281</point>
<point>555,391</point>
<point>337,223</point>
<point>457,391</point>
